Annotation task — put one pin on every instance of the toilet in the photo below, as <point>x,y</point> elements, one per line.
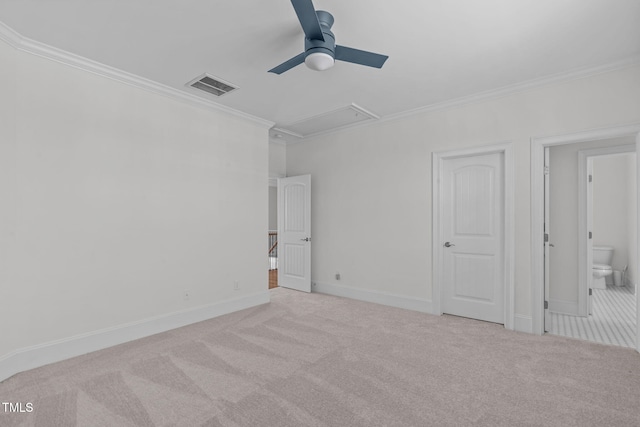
<point>601,267</point>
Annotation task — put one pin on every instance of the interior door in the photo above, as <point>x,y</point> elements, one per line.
<point>589,275</point>
<point>547,244</point>
<point>294,232</point>
<point>472,200</point>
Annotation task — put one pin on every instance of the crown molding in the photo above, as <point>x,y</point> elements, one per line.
<point>492,94</point>
<point>33,47</point>
<point>8,35</point>
<point>22,43</point>
<point>519,87</point>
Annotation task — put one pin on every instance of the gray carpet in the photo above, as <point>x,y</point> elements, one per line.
<point>317,360</point>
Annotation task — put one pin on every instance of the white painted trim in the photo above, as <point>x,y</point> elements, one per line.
<point>436,234</point>
<point>353,107</point>
<point>637,241</point>
<point>584,255</point>
<point>510,237</point>
<point>496,93</point>
<point>587,135</point>
<point>538,145</point>
<point>519,87</point>
<point>43,354</point>
<point>19,42</point>
<point>287,132</point>
<point>564,307</point>
<point>523,324</point>
<point>509,224</point>
<point>58,55</point>
<point>273,180</point>
<point>377,297</point>
<point>537,237</point>
<point>9,35</point>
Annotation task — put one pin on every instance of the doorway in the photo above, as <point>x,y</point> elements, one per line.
<point>272,234</point>
<point>473,233</point>
<point>592,211</point>
<point>541,303</point>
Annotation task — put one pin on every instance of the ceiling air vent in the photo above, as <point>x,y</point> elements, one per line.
<point>212,85</point>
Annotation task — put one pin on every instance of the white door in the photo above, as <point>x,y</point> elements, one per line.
<point>472,200</point>
<point>547,244</point>
<point>589,274</point>
<point>294,232</point>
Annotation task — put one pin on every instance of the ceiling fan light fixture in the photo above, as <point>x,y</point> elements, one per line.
<point>319,61</point>
<point>320,48</point>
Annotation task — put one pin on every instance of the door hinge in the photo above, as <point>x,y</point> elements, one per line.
<point>546,305</point>
<point>590,235</point>
<point>590,291</point>
<point>590,178</point>
<point>546,237</point>
<point>546,170</point>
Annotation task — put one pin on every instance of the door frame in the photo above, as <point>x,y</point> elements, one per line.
<point>538,145</point>
<point>508,222</point>
<point>584,201</point>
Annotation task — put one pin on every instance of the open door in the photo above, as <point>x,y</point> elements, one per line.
<point>294,232</point>
<point>589,284</point>
<point>547,244</point>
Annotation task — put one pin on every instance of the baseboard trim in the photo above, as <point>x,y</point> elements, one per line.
<point>43,354</point>
<point>564,307</point>
<point>377,297</point>
<point>523,323</point>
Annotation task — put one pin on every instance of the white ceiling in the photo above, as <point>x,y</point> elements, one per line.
<point>438,50</point>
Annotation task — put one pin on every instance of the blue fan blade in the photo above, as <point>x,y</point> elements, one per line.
<point>308,19</point>
<point>287,65</point>
<point>361,57</point>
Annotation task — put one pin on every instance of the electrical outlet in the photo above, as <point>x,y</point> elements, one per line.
<point>185,295</point>
<point>337,276</point>
<point>236,285</point>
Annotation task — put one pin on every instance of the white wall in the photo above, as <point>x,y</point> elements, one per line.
<point>273,208</point>
<point>611,206</point>
<point>277,169</point>
<point>632,220</point>
<point>115,201</point>
<point>8,198</point>
<point>371,200</point>
<point>277,160</point>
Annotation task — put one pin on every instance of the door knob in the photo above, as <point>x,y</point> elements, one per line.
<point>307,239</point>
<point>448,245</point>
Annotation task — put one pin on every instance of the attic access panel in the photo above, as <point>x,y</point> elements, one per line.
<point>333,120</point>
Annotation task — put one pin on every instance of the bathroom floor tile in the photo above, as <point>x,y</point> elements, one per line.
<point>612,322</point>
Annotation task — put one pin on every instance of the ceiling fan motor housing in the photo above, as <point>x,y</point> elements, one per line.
<point>326,46</point>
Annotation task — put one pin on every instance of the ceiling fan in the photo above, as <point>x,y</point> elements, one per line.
<point>320,49</point>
